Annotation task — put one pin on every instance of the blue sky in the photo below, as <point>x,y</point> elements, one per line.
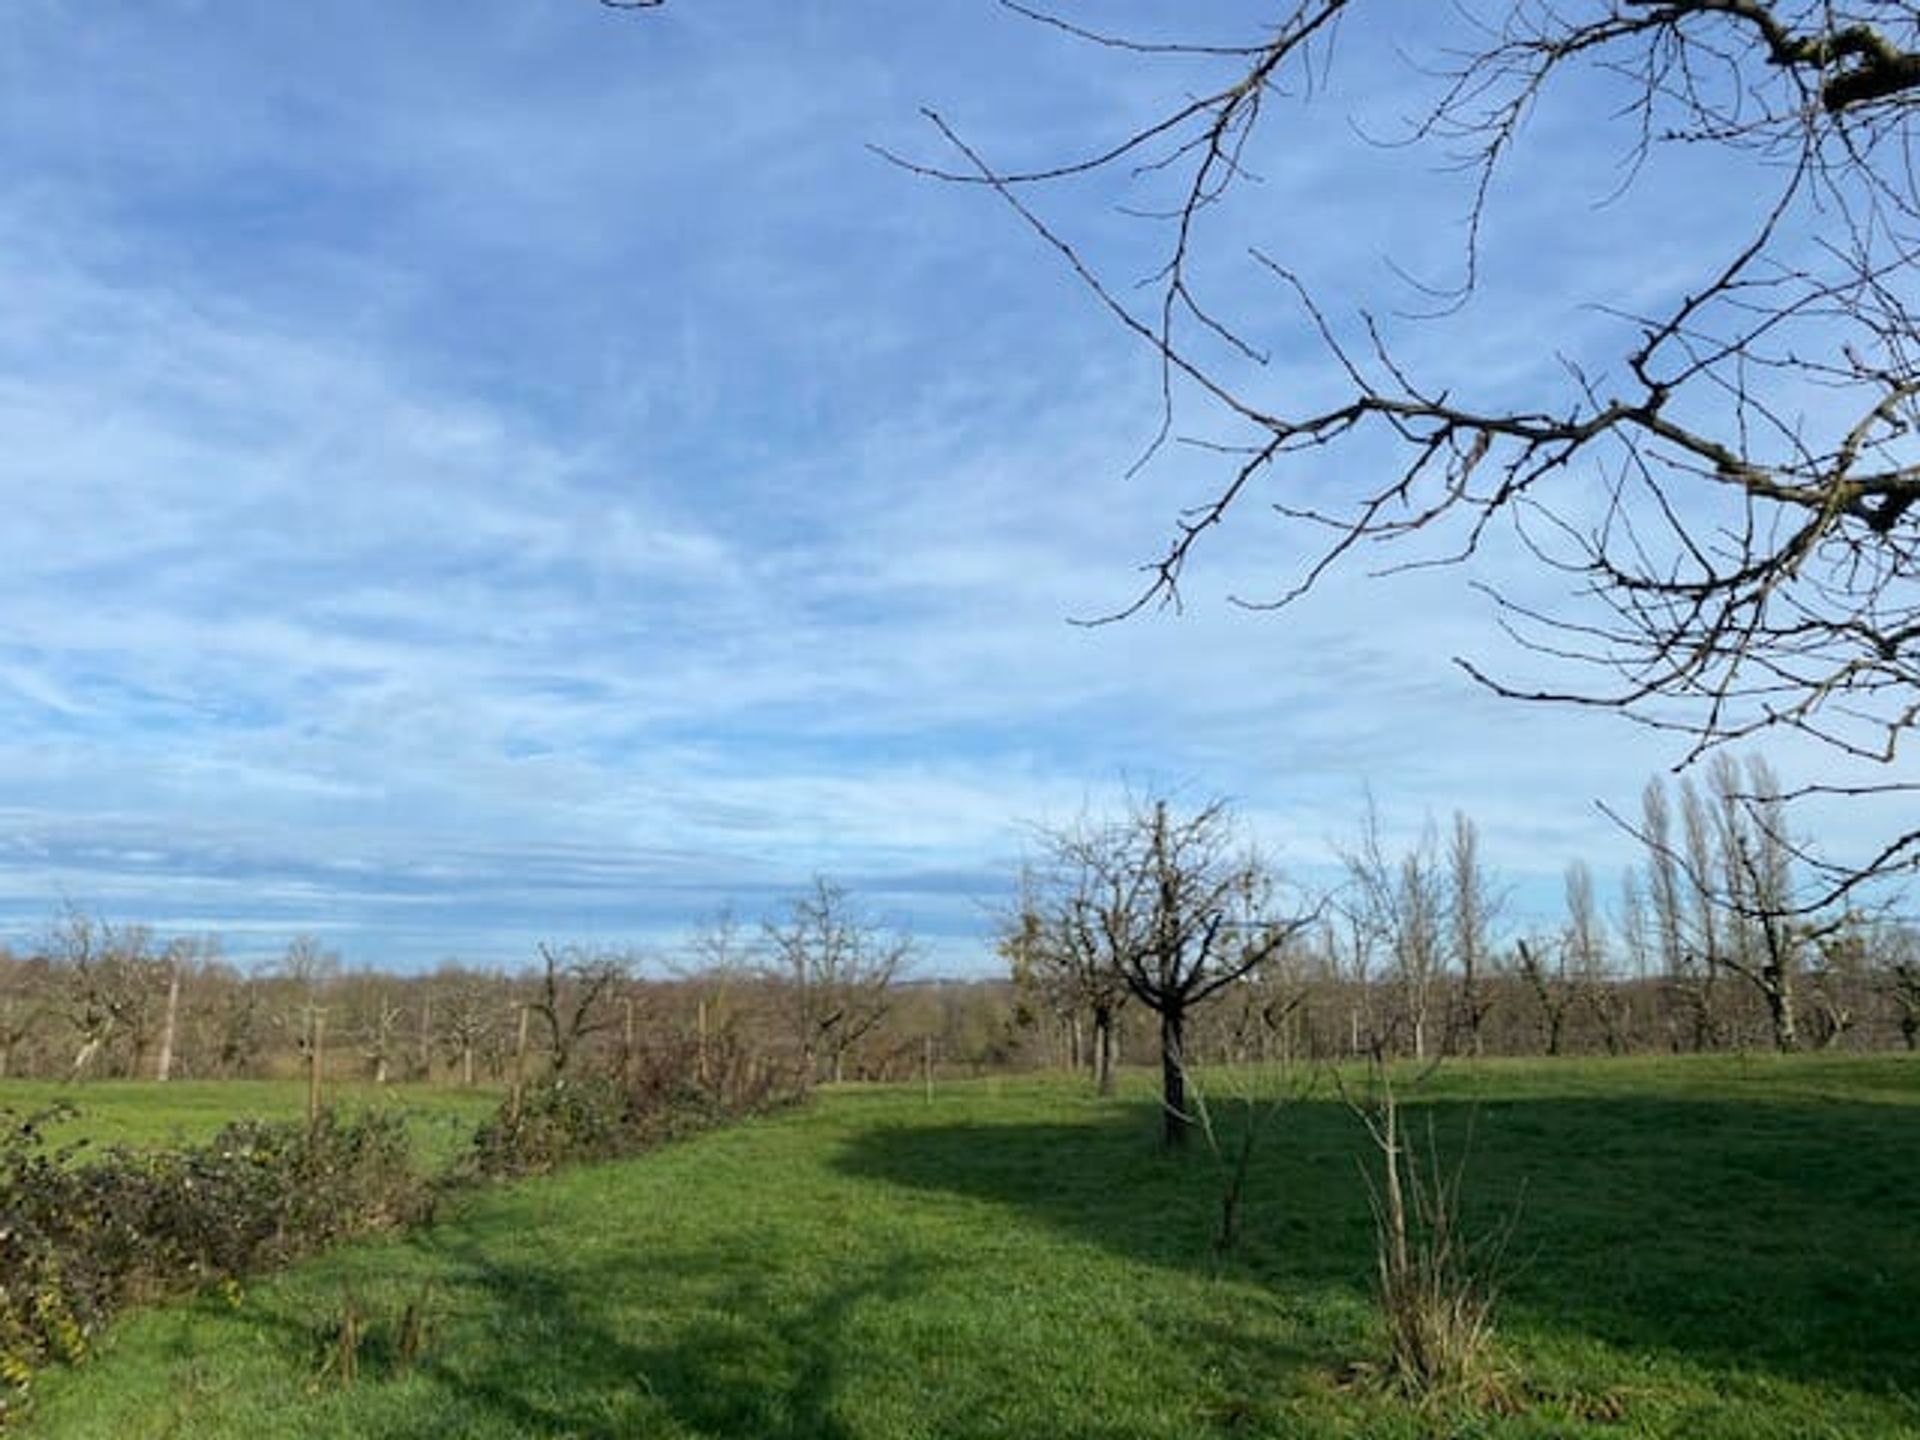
<point>487,472</point>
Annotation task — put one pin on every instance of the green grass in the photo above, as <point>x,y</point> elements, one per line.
<point>143,1114</point>
<point>1700,1249</point>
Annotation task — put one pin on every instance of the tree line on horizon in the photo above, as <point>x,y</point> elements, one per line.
<point>1157,934</point>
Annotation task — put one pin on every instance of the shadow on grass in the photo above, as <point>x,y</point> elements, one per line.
<point>559,1360</point>
<point>1755,1236</point>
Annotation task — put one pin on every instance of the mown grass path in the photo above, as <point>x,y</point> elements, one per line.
<point>1720,1248</point>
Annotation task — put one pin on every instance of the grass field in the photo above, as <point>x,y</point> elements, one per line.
<point>1714,1248</point>
<point>139,1113</point>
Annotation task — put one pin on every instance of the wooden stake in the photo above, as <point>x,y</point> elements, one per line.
<point>163,1065</point>
<point>626,1042</point>
<point>519,1067</point>
<point>701,1021</point>
<point>316,1031</point>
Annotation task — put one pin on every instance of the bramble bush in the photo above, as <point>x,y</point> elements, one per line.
<point>655,1096</point>
<point>81,1239</point>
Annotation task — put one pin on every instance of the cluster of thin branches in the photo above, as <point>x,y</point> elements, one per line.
<point>1750,562</point>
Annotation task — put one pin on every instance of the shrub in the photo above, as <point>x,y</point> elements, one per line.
<point>81,1240</point>
<point>653,1097</point>
<point>1433,1282</point>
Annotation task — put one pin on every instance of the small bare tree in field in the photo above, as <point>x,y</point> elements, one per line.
<point>1433,1279</point>
<point>837,970</point>
<point>469,1014</point>
<point>1178,906</point>
<point>1060,941</point>
<point>573,1000</point>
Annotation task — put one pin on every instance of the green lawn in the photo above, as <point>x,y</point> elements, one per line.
<point>142,1113</point>
<point>1719,1248</point>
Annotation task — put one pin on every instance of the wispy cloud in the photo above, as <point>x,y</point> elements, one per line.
<point>545,477</point>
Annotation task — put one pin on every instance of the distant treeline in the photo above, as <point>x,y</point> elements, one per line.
<point>1712,944</point>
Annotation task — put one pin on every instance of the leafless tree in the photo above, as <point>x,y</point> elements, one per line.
<point>469,1014</point>
<point>1727,886</point>
<point>374,1013</point>
<point>1180,908</point>
<point>241,1028</point>
<point>1707,940</point>
<point>113,984</point>
<point>573,998</point>
<point>1073,917</point>
<point>1900,979</point>
<point>1545,975</point>
<point>1589,957</point>
<point>1472,905</point>
<point>1723,483</point>
<point>22,1006</point>
<point>1770,932</point>
<point>1402,904</point>
<point>838,971</point>
<point>724,972</point>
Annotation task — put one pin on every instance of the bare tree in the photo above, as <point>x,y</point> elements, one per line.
<point>1707,942</point>
<point>1553,993</point>
<point>838,969</point>
<point>240,1029</point>
<point>468,1016</point>
<point>1472,906</point>
<point>1724,478</point>
<point>1402,903</point>
<point>22,1006</point>
<point>112,987</point>
<point>374,1013</point>
<point>303,975</point>
<point>1589,956</point>
<point>572,1000</point>
<point>1072,919</point>
<point>1769,932</point>
<point>1900,979</point>
<point>1181,908</point>
<point>723,967</point>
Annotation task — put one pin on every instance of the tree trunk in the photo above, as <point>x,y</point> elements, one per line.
<point>88,1049</point>
<point>466,1064</point>
<point>1173,1076</point>
<point>1786,1031</point>
<point>1103,1048</point>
